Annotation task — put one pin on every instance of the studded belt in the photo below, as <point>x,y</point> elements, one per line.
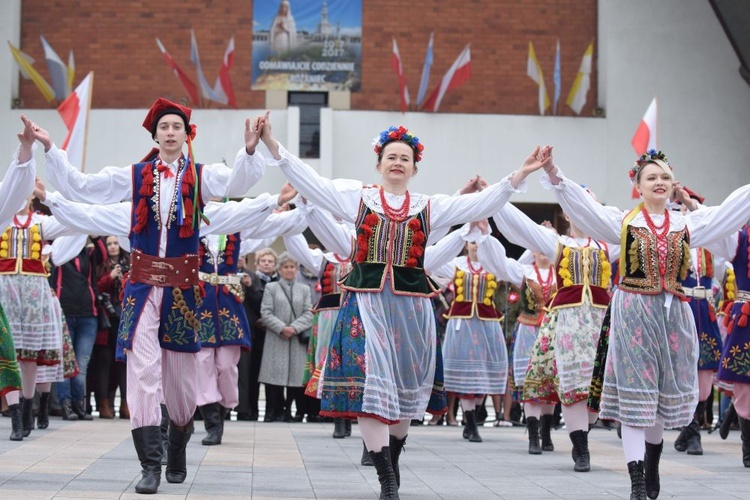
<point>164,271</point>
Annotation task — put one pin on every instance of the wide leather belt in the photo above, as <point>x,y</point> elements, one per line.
<point>164,271</point>
<point>216,279</point>
<point>742,296</point>
<point>698,292</point>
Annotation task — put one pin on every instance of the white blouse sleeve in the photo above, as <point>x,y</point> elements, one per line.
<point>521,230</point>
<point>708,224</point>
<point>726,248</point>
<point>491,253</point>
<point>447,211</point>
<point>218,180</point>
<point>234,216</point>
<point>16,187</point>
<point>597,221</point>
<point>251,245</point>
<point>438,258</point>
<point>66,248</point>
<point>297,247</point>
<point>110,185</point>
<point>336,236</point>
<point>103,220</point>
<point>288,222</point>
<point>341,197</point>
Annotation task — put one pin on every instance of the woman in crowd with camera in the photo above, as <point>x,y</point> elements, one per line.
<point>107,376</point>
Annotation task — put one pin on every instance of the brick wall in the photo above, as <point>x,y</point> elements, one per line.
<point>117,41</point>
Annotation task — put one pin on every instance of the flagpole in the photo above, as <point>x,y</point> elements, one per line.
<point>88,112</point>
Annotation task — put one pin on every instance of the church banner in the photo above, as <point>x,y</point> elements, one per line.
<point>307,45</point>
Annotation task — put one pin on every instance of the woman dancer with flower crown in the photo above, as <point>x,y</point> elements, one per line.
<point>650,379</point>
<point>381,359</point>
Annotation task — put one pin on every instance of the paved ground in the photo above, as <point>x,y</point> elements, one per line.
<point>277,460</point>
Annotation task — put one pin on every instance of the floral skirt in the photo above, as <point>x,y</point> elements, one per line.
<point>709,336</point>
<point>381,358</point>
<point>540,382</point>
<point>651,373</point>
<point>30,310</point>
<point>10,376</point>
<point>317,348</point>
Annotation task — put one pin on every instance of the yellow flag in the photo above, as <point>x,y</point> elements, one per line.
<point>28,72</point>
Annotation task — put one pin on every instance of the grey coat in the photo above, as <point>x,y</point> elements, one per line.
<point>284,360</point>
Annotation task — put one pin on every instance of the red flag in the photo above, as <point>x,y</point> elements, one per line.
<point>399,69</point>
<point>74,111</point>
<point>224,82</point>
<point>186,82</point>
<point>645,136</point>
<point>456,76</point>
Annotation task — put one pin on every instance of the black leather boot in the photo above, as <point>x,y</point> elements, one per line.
<point>339,428</point>
<point>546,433</point>
<point>164,429</point>
<point>397,446</point>
<point>694,439</point>
<point>388,485</point>
<point>471,431</point>
<point>348,427</point>
<point>147,443</point>
<point>580,452</point>
<point>28,416</point>
<point>176,460</point>
<point>366,459</point>
<point>730,415</point>
<point>42,418</point>
<point>532,425</point>
<point>67,410</point>
<point>16,416</point>
<point>212,421</point>
<point>637,480</point>
<point>79,408</point>
<point>745,429</point>
<point>651,468</point>
<point>680,444</point>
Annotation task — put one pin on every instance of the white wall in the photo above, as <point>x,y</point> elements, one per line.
<point>672,49</point>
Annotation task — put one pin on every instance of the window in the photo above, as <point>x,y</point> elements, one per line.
<point>309,104</point>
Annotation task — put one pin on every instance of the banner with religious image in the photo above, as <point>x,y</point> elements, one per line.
<point>307,45</point>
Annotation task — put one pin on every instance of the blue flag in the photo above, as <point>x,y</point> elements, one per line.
<point>424,82</point>
<point>556,78</point>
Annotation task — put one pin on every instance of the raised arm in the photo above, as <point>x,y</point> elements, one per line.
<point>438,258</point>
<point>595,220</point>
<point>521,230</point>
<point>234,216</point>
<point>709,224</point>
<point>218,180</point>
<point>336,236</point>
<point>17,185</point>
<point>66,248</point>
<point>491,253</point>
<point>101,220</point>
<point>297,247</point>
<point>277,224</point>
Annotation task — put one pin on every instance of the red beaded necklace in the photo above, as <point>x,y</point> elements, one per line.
<point>546,284</point>
<point>472,268</point>
<point>397,215</point>
<point>25,224</point>
<point>661,233</point>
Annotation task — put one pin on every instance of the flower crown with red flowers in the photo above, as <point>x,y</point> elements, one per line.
<point>650,156</point>
<point>398,134</point>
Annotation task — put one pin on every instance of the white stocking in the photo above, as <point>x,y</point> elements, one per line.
<point>548,409</point>
<point>28,378</point>
<point>44,387</point>
<point>468,404</point>
<point>633,443</point>
<point>655,434</point>
<point>13,397</point>
<point>532,410</point>
<point>399,430</point>
<point>576,417</point>
<point>374,433</point>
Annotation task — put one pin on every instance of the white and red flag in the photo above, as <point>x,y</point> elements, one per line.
<point>457,75</point>
<point>190,86</point>
<point>399,69</point>
<point>223,86</point>
<point>74,111</point>
<point>645,137</point>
